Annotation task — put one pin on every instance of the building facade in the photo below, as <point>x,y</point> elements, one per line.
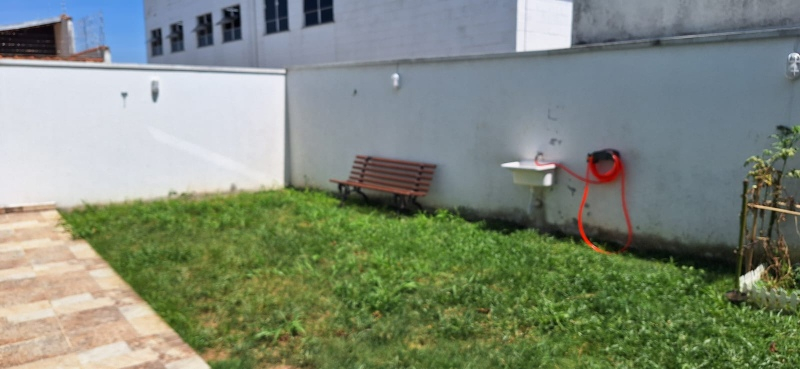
<point>625,20</point>
<point>281,33</point>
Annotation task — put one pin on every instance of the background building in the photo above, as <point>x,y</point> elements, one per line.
<point>622,20</point>
<point>279,33</point>
<point>47,39</point>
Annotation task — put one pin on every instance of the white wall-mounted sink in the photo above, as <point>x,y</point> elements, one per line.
<point>528,173</point>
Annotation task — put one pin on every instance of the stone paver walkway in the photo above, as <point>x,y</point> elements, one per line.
<point>62,306</point>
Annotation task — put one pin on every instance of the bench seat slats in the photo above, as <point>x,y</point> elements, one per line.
<point>410,169</point>
<point>396,161</point>
<point>393,190</point>
<point>356,176</point>
<point>401,186</point>
<point>361,171</point>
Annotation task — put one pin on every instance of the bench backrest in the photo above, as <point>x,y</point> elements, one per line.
<point>406,175</point>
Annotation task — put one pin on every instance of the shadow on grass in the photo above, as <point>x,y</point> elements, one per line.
<point>716,268</point>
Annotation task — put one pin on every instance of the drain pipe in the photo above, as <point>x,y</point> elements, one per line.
<point>256,36</point>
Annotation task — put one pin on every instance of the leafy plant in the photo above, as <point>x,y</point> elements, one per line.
<point>769,172</point>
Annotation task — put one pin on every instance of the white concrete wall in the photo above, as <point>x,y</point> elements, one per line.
<point>620,20</point>
<point>362,30</point>
<point>683,122</point>
<point>68,135</point>
<point>544,24</point>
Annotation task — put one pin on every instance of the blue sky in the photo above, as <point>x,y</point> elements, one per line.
<point>123,21</point>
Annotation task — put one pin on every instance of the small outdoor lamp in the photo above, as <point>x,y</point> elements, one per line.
<point>154,88</point>
<point>793,66</point>
<point>396,81</point>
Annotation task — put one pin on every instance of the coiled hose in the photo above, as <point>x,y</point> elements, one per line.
<point>617,170</point>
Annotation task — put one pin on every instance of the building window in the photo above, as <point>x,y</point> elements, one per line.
<point>176,37</point>
<point>204,30</point>
<point>318,12</point>
<point>276,15</point>
<point>156,44</point>
<point>231,24</point>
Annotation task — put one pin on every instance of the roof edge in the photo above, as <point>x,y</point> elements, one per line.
<point>35,23</point>
<point>141,67</point>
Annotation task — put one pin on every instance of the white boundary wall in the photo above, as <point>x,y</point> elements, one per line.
<point>68,135</point>
<point>685,115</point>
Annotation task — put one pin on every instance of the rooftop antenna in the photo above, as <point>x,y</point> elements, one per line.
<point>63,6</point>
<point>90,31</point>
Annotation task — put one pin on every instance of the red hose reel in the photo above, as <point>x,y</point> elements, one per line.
<point>617,170</point>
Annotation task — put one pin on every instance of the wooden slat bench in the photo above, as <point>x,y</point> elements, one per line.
<point>406,180</point>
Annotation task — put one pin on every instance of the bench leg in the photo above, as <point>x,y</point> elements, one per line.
<point>344,191</point>
<point>358,190</point>
<point>401,202</point>
<point>414,201</point>
<point>397,203</point>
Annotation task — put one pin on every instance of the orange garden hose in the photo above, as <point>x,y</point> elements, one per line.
<point>617,170</point>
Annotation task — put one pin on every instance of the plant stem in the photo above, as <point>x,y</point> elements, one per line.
<point>742,226</point>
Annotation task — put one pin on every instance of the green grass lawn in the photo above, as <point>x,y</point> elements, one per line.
<point>259,279</point>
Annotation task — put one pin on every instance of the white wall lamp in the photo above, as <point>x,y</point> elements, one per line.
<point>396,81</point>
<point>793,66</point>
<point>154,89</point>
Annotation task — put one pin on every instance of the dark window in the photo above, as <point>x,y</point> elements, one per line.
<point>276,15</point>
<point>231,24</point>
<point>318,11</point>
<point>156,44</point>
<point>176,37</point>
<point>204,30</point>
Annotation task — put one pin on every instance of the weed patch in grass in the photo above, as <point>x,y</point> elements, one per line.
<point>288,278</point>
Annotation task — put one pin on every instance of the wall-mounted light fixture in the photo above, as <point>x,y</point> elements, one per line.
<point>154,88</point>
<point>396,81</point>
<point>793,66</point>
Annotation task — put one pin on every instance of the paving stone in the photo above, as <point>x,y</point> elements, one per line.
<point>28,330</point>
<point>148,365</point>
<point>99,335</point>
<point>104,352</point>
<point>83,305</point>
<point>69,361</point>
<point>59,267</point>
<point>190,363</point>
<point>82,250</point>
<point>18,309</point>
<point>33,350</point>
<point>68,284</point>
<point>88,319</point>
<point>45,255</point>
<point>20,224</point>
<point>13,274</point>
<point>22,291</point>
<point>127,360</point>
<point>12,259</point>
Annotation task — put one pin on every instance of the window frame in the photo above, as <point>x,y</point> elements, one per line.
<point>231,23</point>
<point>319,12</point>
<point>205,30</point>
<point>176,39</point>
<point>156,43</point>
<point>280,19</point>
